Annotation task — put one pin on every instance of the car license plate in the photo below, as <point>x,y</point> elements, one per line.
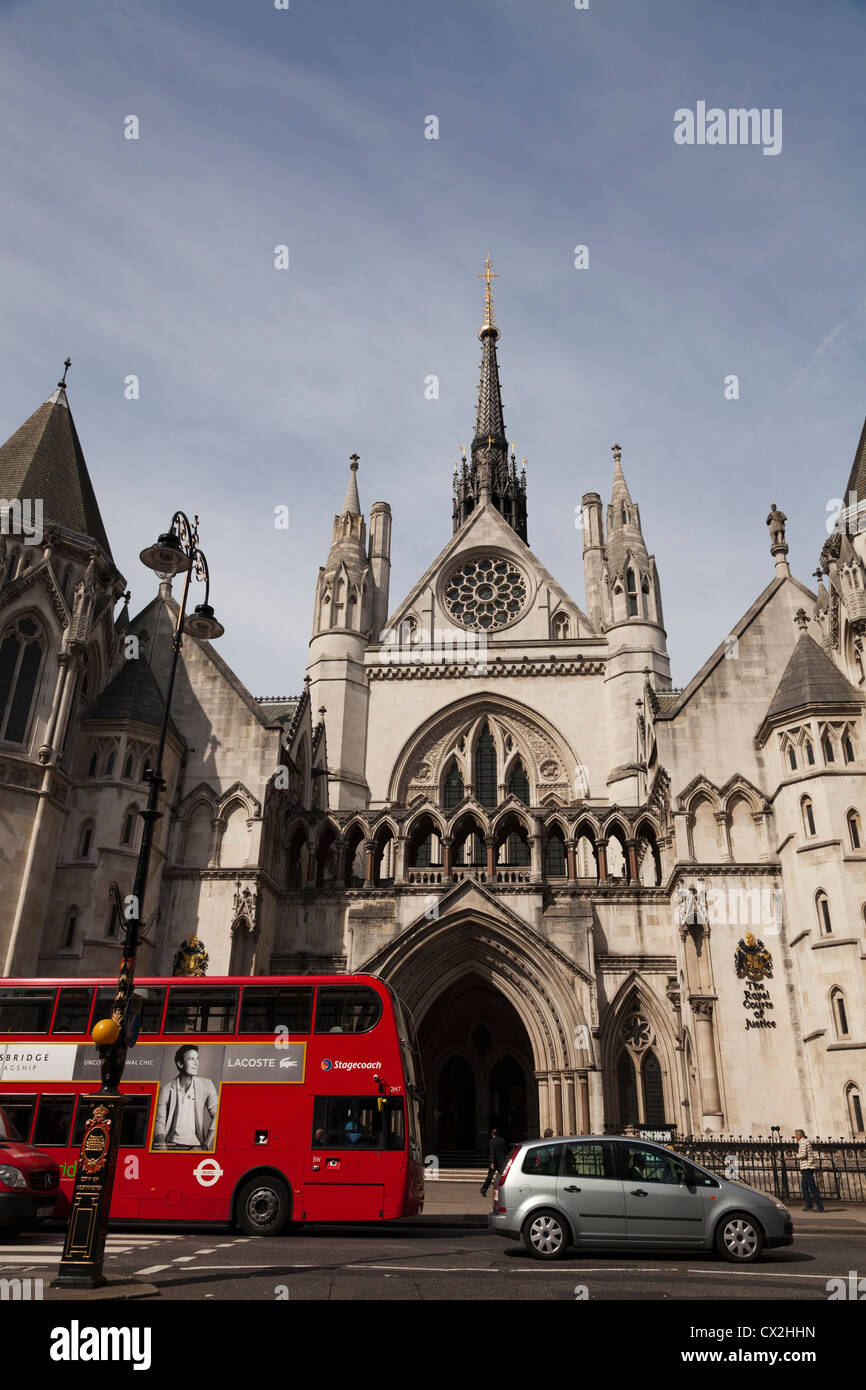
<point>44,1211</point>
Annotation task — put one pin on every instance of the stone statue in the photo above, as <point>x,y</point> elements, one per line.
<point>776,522</point>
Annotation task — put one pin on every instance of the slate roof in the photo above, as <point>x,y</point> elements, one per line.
<point>132,694</point>
<point>810,678</point>
<point>857,479</point>
<point>279,711</point>
<point>44,459</point>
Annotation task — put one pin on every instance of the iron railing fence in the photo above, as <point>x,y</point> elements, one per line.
<point>771,1165</point>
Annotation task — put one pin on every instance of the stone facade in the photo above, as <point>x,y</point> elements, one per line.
<point>605,902</point>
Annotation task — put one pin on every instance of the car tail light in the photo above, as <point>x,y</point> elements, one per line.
<point>504,1173</point>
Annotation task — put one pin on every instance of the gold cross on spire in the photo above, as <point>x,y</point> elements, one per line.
<point>488,275</point>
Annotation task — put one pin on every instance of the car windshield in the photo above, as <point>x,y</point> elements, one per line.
<point>7,1129</point>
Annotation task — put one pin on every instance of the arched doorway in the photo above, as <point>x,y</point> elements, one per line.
<point>478,1061</point>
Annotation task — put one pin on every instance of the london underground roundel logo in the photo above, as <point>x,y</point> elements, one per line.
<point>208,1172</point>
<point>326,1064</point>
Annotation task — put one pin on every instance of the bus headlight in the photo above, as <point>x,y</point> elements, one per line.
<point>12,1177</point>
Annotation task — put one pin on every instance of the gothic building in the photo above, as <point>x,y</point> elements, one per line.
<point>605,902</point>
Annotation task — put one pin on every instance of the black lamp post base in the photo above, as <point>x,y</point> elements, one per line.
<point>84,1248</point>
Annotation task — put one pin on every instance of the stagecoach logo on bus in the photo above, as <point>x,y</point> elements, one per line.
<point>328,1065</point>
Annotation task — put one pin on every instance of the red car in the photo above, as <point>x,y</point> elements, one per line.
<point>29,1180</point>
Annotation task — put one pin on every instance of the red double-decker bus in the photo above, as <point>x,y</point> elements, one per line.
<point>257,1100</point>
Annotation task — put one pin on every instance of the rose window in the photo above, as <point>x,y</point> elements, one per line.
<point>485,593</point>
<point>636,1031</point>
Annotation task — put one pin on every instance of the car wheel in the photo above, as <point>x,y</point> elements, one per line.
<point>739,1238</point>
<point>263,1206</point>
<point>545,1235</point>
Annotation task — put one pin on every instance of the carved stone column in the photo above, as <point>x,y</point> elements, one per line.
<point>447,870</point>
<point>369,866</point>
<point>536,874</point>
<point>702,1010</point>
<point>631,860</point>
<point>601,850</point>
<point>724,834</point>
<point>583,1125</point>
<point>571,858</point>
<point>491,858</point>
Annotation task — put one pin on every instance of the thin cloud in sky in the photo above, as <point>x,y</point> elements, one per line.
<point>306,127</point>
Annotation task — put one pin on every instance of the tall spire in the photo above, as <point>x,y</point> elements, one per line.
<point>490,476</point>
<point>622,511</point>
<point>44,460</point>
<point>489,423</point>
<point>352,502</point>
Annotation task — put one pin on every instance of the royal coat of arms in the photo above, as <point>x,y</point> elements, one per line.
<point>752,960</point>
<point>191,958</point>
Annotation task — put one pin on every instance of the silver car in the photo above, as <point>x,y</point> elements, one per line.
<point>618,1192</point>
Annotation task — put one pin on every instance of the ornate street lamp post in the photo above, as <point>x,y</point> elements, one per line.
<point>176,551</point>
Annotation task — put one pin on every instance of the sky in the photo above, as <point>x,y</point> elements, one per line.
<point>306,127</point>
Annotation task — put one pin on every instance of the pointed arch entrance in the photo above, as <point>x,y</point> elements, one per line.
<point>477,1058</point>
<point>512,1007</point>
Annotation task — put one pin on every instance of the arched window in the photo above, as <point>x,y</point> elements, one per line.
<point>554,855</point>
<point>518,783</point>
<point>560,626</point>
<point>810,752</point>
<point>848,748</point>
<point>20,660</point>
<point>808,815</point>
<point>127,834</point>
<point>827,745</point>
<point>840,1015</point>
<point>453,790</point>
<point>623,515</point>
<point>127,768</point>
<point>792,757</point>
<point>627,1090</point>
<point>631,593</point>
<point>85,839</point>
<point>67,939</point>
<point>91,766</point>
<point>653,1091</point>
<point>822,904</point>
<point>109,763</point>
<point>855,1108</point>
<point>485,768</point>
<point>855,830</point>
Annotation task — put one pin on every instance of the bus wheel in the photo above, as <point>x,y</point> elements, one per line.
<point>263,1206</point>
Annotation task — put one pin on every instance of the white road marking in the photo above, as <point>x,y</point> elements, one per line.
<point>153,1269</point>
<point>764,1273</point>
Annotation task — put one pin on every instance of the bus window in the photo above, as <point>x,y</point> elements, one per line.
<point>151,1007</point>
<point>265,1008</point>
<point>201,1010</point>
<point>26,1010</point>
<point>347,1122</point>
<point>395,1137</point>
<point>347,1009</point>
<point>133,1130</point>
<point>53,1120</point>
<point>18,1110</point>
<point>73,1010</point>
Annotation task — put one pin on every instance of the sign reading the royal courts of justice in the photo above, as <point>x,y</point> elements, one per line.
<point>754,964</point>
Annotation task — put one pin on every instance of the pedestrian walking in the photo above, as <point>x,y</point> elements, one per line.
<point>808,1163</point>
<point>497,1159</point>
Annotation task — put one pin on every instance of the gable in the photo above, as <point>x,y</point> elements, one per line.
<point>454,587</point>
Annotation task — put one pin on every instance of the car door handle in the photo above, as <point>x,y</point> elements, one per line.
<point>638,1192</point>
<point>572,1189</point>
